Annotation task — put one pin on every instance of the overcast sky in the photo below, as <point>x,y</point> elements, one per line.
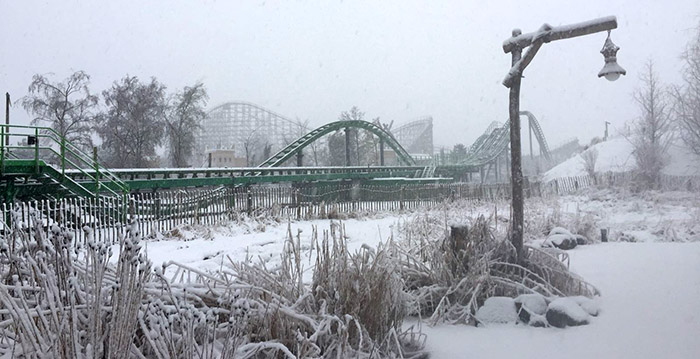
<point>398,60</point>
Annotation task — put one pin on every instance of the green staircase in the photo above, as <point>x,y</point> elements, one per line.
<point>35,167</point>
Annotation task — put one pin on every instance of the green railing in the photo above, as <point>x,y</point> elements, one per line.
<point>68,156</point>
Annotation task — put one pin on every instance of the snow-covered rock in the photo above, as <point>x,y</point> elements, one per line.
<point>536,303</point>
<point>563,312</point>
<point>587,304</point>
<point>531,309</point>
<point>497,310</point>
<point>560,230</point>
<point>561,241</point>
<point>538,321</point>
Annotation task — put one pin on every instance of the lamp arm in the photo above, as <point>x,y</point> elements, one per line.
<point>561,32</point>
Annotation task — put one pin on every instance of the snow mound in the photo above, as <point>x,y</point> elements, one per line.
<point>497,310</point>
<point>615,155</point>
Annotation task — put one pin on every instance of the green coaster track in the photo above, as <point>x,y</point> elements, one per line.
<point>46,165</point>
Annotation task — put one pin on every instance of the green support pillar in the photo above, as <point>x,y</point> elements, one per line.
<point>347,147</point>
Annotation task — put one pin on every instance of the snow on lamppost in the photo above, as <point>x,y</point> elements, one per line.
<point>533,41</point>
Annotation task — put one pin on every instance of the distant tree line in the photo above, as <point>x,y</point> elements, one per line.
<point>129,120</point>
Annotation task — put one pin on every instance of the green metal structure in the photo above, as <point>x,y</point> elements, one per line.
<point>40,164</point>
<point>496,142</point>
<point>297,146</point>
<point>46,165</point>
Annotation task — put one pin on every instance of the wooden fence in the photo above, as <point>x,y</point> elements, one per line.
<point>569,185</point>
<point>159,212</point>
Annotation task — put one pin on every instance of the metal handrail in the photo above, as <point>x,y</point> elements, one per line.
<point>66,149</point>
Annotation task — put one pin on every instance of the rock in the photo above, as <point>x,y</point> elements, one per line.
<point>538,321</point>
<point>589,305</point>
<point>497,310</point>
<point>563,312</point>
<point>581,240</point>
<point>535,303</point>
<point>562,241</point>
<point>560,230</point>
<point>523,313</point>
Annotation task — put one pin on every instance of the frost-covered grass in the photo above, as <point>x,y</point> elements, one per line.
<point>64,303</point>
<point>266,287</point>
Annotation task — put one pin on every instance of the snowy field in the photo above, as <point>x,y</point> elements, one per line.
<point>650,290</point>
<point>649,303</point>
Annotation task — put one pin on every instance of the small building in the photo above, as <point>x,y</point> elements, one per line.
<point>224,158</point>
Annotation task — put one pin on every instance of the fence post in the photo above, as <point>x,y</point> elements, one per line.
<point>231,201</point>
<point>603,234</point>
<point>97,171</point>
<point>249,201</point>
<point>401,198</point>
<point>2,149</point>
<point>63,156</point>
<point>36,151</point>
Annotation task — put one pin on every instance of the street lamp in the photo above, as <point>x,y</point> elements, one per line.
<point>611,70</point>
<point>533,41</point>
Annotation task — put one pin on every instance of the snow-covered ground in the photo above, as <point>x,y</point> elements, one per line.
<point>615,155</point>
<point>640,217</point>
<point>649,290</point>
<point>649,309</point>
<point>210,248</point>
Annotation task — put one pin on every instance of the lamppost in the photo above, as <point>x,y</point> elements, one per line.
<point>533,41</point>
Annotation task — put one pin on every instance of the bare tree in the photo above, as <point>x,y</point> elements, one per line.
<point>133,124</point>
<point>651,133</point>
<point>316,147</point>
<point>336,149</point>
<point>590,157</point>
<point>687,97</point>
<point>67,107</point>
<point>185,117</point>
<point>250,146</point>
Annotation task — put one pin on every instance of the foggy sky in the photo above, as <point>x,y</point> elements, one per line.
<point>397,60</point>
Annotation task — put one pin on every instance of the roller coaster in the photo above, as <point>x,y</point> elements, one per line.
<point>46,165</point>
